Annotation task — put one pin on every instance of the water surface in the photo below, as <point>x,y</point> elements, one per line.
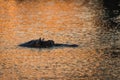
<point>69,22</point>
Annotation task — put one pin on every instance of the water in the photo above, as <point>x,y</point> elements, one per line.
<point>62,21</point>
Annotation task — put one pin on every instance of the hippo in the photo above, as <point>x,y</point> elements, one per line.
<point>41,43</point>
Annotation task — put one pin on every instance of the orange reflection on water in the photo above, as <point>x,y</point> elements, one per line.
<point>64,22</point>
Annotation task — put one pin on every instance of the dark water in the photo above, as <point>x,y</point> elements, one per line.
<point>68,22</point>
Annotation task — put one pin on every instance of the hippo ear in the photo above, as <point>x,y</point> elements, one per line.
<point>39,39</point>
<point>43,39</point>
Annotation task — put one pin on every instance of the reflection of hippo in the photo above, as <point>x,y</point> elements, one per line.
<point>41,43</point>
